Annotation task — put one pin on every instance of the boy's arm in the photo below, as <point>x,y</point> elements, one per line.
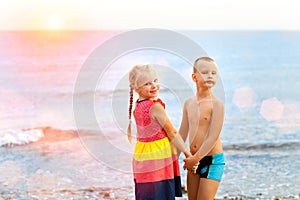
<point>158,112</point>
<point>213,134</point>
<point>184,126</point>
<point>214,130</point>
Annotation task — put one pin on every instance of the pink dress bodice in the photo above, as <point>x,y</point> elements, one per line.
<point>148,129</point>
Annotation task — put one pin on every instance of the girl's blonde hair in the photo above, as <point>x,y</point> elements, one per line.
<point>134,75</point>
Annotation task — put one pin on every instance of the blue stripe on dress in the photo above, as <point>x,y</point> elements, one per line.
<point>161,190</point>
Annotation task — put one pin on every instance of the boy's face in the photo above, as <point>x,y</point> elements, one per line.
<point>205,74</point>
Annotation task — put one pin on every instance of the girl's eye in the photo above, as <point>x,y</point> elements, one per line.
<point>150,83</point>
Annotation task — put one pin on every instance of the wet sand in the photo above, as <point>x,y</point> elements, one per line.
<point>59,166</point>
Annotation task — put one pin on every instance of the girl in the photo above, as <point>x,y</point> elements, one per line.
<point>155,162</point>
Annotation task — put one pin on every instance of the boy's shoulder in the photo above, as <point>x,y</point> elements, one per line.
<point>190,100</point>
<point>217,100</point>
<point>193,100</point>
<point>217,103</point>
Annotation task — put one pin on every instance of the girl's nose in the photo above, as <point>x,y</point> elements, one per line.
<point>154,84</point>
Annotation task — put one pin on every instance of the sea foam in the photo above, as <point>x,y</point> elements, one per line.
<point>11,137</point>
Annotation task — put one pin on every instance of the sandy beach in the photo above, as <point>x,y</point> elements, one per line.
<point>58,166</point>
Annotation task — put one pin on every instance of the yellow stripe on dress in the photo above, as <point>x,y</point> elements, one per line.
<point>159,149</point>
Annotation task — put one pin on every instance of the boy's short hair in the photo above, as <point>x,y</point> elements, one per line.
<point>204,58</point>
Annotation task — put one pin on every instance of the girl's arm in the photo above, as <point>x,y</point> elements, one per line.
<point>213,134</point>
<point>158,113</point>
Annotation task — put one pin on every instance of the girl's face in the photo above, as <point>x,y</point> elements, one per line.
<point>206,74</point>
<point>148,86</point>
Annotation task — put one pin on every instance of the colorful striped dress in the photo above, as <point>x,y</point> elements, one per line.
<point>155,162</point>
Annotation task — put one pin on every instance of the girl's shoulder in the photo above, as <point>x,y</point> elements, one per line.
<point>159,101</point>
<point>158,109</point>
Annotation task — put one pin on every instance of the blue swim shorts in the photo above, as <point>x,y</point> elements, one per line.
<point>212,167</point>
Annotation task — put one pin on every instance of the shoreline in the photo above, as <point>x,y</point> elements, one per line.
<point>59,156</point>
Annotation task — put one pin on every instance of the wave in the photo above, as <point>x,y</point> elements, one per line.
<point>10,137</point>
<point>13,137</point>
<point>263,146</point>
<point>19,137</point>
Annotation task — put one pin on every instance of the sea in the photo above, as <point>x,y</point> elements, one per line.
<point>64,109</point>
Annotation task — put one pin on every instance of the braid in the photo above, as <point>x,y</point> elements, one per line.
<point>130,103</point>
<point>129,115</point>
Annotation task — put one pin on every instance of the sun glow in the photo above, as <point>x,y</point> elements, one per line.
<point>55,22</point>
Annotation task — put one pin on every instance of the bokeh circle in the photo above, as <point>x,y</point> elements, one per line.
<point>101,93</point>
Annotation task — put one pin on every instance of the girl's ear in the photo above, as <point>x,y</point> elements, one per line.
<point>194,77</point>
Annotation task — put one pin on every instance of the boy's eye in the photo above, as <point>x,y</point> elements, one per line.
<point>206,72</point>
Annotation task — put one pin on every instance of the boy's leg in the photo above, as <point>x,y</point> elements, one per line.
<point>192,185</point>
<point>207,189</point>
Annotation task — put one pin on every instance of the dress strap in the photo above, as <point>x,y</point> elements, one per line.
<point>158,100</point>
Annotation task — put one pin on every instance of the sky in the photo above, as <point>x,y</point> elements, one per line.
<point>134,14</point>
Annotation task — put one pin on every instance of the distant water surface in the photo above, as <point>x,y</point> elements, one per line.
<point>259,83</point>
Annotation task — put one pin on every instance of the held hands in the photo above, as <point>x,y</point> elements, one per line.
<point>191,163</point>
<point>194,167</point>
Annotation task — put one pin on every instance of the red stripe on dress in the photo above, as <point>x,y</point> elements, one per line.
<point>151,165</point>
<point>158,175</point>
<point>152,171</point>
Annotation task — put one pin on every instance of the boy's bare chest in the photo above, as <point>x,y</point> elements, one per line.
<point>199,113</point>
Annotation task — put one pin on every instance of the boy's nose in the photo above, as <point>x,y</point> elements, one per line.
<point>210,75</point>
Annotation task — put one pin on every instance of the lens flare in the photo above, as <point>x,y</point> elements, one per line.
<point>271,109</point>
<point>244,98</point>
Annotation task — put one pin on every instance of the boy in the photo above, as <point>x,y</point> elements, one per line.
<point>202,121</point>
